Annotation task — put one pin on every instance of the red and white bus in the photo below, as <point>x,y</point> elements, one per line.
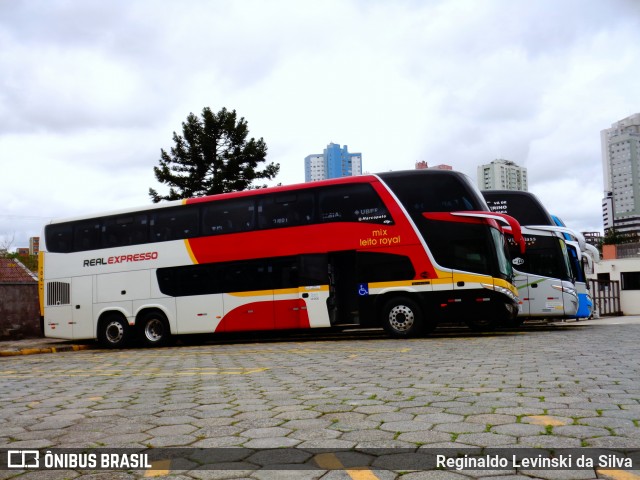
<point>400,250</point>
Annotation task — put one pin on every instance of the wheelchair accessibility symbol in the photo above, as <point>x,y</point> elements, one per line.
<point>363,289</point>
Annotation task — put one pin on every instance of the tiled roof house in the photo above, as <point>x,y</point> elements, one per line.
<point>19,306</point>
<point>13,271</point>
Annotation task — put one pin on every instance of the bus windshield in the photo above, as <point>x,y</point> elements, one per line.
<point>546,256</point>
<point>502,252</point>
<point>469,246</point>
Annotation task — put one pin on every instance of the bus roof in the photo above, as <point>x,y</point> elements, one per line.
<point>368,178</point>
<point>523,206</point>
<point>220,196</point>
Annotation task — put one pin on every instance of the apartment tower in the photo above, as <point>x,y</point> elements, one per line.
<point>621,171</point>
<point>502,174</point>
<point>333,162</point>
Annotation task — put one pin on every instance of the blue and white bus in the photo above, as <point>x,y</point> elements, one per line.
<point>581,255</point>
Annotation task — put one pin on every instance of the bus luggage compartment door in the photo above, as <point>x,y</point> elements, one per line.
<point>82,307</point>
<point>58,314</point>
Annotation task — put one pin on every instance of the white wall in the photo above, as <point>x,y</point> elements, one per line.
<point>629,299</point>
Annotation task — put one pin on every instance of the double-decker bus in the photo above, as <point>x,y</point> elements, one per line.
<point>581,255</point>
<point>543,275</point>
<point>400,250</point>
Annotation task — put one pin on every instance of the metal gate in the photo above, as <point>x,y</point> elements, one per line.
<point>606,296</point>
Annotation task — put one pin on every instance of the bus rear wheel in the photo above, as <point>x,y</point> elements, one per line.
<point>114,332</point>
<point>402,317</point>
<point>153,329</point>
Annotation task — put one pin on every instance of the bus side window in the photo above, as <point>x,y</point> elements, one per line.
<point>198,280</point>
<point>314,270</point>
<point>245,276</point>
<point>125,230</point>
<point>87,235</point>
<point>284,272</point>
<point>59,237</point>
<point>228,216</point>
<point>383,267</point>
<point>285,210</point>
<point>332,204</point>
<point>174,223</point>
<point>353,203</point>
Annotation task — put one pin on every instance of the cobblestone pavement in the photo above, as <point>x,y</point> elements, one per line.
<point>575,386</point>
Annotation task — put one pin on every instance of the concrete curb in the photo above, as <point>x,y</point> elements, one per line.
<point>35,351</point>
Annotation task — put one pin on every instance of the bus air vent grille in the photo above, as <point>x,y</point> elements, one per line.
<point>58,293</point>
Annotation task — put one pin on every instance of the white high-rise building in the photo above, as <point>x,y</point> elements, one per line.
<point>621,172</point>
<point>315,168</point>
<point>502,174</point>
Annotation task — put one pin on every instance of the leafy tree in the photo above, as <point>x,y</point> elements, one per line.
<point>613,237</point>
<point>29,261</point>
<point>212,156</point>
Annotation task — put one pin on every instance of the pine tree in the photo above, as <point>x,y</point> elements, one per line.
<point>212,156</point>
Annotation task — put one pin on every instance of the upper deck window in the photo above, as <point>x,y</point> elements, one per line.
<point>352,203</point>
<point>174,224</point>
<point>230,216</point>
<point>434,193</point>
<point>124,230</point>
<point>59,237</point>
<point>286,210</point>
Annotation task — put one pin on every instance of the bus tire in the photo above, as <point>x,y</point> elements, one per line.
<point>114,331</point>
<point>402,317</point>
<point>153,329</point>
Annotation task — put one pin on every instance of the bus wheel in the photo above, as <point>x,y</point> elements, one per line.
<point>482,324</point>
<point>153,329</point>
<point>113,332</point>
<point>402,317</point>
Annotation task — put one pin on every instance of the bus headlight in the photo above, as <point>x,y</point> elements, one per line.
<point>502,290</point>
<point>571,291</point>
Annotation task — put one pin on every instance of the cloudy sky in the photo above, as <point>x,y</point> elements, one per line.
<point>91,90</point>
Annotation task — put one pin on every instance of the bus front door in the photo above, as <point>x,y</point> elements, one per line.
<point>343,300</point>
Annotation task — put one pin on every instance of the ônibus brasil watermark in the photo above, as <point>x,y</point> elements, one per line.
<point>395,459</point>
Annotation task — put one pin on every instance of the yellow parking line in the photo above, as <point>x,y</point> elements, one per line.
<point>205,371</point>
<point>545,420</point>
<point>330,461</point>
<point>617,474</point>
<point>158,468</point>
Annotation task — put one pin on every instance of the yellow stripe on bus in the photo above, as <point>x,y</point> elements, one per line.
<point>280,291</point>
<point>194,260</point>
<point>41,282</point>
<point>408,284</point>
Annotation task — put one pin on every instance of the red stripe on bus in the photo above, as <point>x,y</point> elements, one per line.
<point>274,315</point>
